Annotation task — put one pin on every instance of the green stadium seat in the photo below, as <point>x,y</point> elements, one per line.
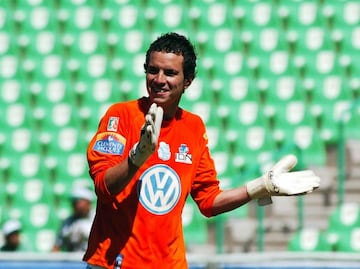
<point>7,24</point>
<point>342,14</point>
<point>351,121</point>
<point>27,192</point>
<point>252,145</point>
<point>299,14</point>
<point>349,241</point>
<point>308,240</point>
<point>8,43</point>
<point>277,63</point>
<point>347,39</point>
<point>13,91</point>
<point>65,140</point>
<point>344,218</point>
<point>29,4</point>
<point>237,89</point>
<point>205,15</point>
<point>35,19</point>
<point>54,116</point>
<point>229,64</point>
<point>124,17</point>
<point>40,240</point>
<point>129,42</point>
<point>17,115</point>
<point>21,140</point>
<point>245,114</point>
<point>10,67</point>
<point>50,92</point>
<point>265,41</point>
<point>287,116</point>
<point>217,41</point>
<point>98,92</point>
<point>200,90</point>
<point>70,167</point>
<point>293,123</point>
<point>312,147</point>
<point>312,39</point>
<point>329,99</point>
<point>39,44</point>
<point>84,44</point>
<point>279,90</point>
<point>252,15</point>
<point>76,19</point>
<point>164,18</point>
<point>52,66</point>
<point>321,63</point>
<point>222,160</point>
<point>208,114</point>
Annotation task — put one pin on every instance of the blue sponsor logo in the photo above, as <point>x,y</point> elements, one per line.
<point>160,189</point>
<point>110,144</point>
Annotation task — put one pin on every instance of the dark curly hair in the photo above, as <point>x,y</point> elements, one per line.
<point>178,44</point>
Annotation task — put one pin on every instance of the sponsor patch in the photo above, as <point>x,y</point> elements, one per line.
<point>110,143</point>
<point>183,156</point>
<point>164,151</point>
<point>113,124</point>
<point>160,189</point>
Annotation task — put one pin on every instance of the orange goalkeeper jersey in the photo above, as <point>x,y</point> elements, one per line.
<point>143,222</point>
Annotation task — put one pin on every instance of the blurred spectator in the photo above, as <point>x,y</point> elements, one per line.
<point>11,232</point>
<point>74,232</point>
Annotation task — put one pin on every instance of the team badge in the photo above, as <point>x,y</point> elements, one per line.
<point>164,151</point>
<point>110,143</point>
<point>183,155</point>
<point>113,124</point>
<point>160,189</point>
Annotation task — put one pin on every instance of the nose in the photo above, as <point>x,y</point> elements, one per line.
<point>160,78</point>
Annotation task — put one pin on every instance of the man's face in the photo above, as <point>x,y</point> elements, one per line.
<point>165,80</point>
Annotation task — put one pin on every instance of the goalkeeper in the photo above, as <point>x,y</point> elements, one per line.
<point>146,158</point>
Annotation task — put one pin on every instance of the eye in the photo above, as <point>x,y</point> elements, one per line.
<point>152,70</point>
<point>170,72</point>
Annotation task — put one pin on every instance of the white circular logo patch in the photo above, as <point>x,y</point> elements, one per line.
<point>160,189</point>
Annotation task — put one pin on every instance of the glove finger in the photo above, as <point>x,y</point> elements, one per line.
<point>152,110</point>
<point>158,120</point>
<point>307,177</point>
<point>297,182</point>
<point>284,165</point>
<point>149,121</point>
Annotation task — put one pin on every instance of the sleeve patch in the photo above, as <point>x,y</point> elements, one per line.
<point>113,124</point>
<point>110,143</point>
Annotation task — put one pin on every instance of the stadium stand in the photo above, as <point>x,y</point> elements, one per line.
<point>274,77</point>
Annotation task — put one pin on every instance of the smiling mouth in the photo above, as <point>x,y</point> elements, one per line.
<point>159,90</point>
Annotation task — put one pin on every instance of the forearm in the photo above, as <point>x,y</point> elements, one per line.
<point>228,200</point>
<point>118,176</point>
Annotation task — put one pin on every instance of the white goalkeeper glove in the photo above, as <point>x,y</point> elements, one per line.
<point>149,135</point>
<point>279,182</point>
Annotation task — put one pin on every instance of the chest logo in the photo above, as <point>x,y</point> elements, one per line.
<point>160,189</point>
<point>183,156</point>
<point>164,151</point>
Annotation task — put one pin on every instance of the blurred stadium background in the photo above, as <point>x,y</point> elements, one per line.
<point>274,77</point>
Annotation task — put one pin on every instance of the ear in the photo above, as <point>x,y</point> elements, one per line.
<point>187,82</point>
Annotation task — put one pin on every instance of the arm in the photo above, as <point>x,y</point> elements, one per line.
<point>118,176</point>
<point>230,199</point>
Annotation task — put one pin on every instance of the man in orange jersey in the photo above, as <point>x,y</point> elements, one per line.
<point>145,159</point>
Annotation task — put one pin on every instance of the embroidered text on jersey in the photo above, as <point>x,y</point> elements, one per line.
<point>160,189</point>
<point>113,124</point>
<point>183,155</point>
<point>110,143</point>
